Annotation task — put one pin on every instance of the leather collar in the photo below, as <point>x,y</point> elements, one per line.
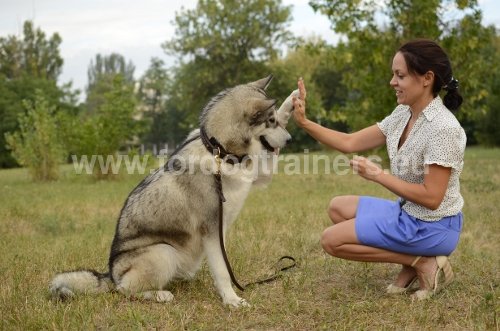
<point>215,147</point>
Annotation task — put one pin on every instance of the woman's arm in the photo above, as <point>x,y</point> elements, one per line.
<point>362,140</point>
<point>359,141</point>
<point>429,194</point>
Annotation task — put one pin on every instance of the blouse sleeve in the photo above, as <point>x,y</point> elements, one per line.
<point>384,125</point>
<point>446,148</point>
<point>388,124</point>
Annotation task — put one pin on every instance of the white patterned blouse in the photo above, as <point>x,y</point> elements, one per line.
<point>435,138</point>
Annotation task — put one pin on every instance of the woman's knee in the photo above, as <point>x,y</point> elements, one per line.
<point>342,208</point>
<point>328,241</point>
<point>335,237</point>
<point>334,210</point>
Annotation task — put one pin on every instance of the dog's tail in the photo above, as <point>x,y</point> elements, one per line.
<point>67,284</point>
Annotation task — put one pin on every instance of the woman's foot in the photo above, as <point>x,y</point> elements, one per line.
<point>429,270</point>
<point>405,279</point>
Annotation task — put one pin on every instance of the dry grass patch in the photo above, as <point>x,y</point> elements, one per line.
<point>46,228</point>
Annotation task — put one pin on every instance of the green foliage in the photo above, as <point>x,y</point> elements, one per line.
<point>153,87</point>
<point>29,63</point>
<point>101,74</point>
<point>108,129</point>
<point>312,61</point>
<point>158,112</point>
<point>222,43</point>
<point>34,55</point>
<point>487,130</point>
<point>365,56</point>
<point>37,145</point>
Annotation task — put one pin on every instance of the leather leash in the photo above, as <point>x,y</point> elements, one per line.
<point>213,146</point>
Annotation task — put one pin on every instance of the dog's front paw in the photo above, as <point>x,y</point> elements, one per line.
<point>236,302</point>
<point>288,103</point>
<point>287,107</point>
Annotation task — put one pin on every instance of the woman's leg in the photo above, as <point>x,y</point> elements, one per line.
<point>340,240</point>
<point>343,208</point>
<point>405,276</point>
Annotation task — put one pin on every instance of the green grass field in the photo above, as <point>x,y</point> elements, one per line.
<point>69,224</point>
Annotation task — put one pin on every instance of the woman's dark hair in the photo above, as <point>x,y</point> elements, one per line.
<point>421,56</point>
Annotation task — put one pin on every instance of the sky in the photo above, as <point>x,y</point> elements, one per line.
<point>136,29</point>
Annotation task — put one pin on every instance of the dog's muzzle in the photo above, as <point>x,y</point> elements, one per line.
<point>266,144</point>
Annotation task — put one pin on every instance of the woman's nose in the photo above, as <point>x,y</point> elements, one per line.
<point>393,81</point>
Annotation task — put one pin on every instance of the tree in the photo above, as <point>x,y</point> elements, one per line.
<point>487,128</point>
<point>37,144</point>
<point>158,111</point>
<point>312,60</point>
<point>27,64</point>
<point>34,55</point>
<point>101,74</point>
<point>108,129</point>
<point>153,87</point>
<point>370,46</point>
<point>222,43</point>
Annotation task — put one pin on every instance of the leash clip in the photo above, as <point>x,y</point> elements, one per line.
<point>218,160</point>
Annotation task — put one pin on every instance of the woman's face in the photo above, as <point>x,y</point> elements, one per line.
<point>411,89</point>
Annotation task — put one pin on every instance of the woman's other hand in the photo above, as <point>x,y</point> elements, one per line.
<point>366,168</point>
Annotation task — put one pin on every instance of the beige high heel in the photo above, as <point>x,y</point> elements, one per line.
<point>444,266</point>
<point>393,289</point>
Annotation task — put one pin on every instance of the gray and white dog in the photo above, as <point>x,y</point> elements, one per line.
<point>169,222</point>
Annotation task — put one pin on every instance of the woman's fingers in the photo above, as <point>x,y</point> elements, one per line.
<point>299,104</point>
<point>366,168</point>
<point>302,89</point>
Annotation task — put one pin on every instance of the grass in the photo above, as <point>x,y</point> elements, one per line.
<point>68,224</point>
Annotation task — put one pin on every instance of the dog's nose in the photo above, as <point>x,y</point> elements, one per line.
<point>288,140</point>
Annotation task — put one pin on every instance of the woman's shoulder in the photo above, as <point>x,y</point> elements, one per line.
<point>448,127</point>
<point>399,112</point>
<point>447,120</point>
<point>401,109</point>
<point>394,119</point>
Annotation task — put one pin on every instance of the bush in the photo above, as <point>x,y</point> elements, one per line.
<point>36,145</point>
<point>109,128</point>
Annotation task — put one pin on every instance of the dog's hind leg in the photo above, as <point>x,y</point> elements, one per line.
<point>219,272</point>
<point>144,275</point>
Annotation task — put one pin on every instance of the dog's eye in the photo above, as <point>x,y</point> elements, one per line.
<point>272,120</point>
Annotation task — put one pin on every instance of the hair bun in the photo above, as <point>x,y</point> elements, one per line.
<point>452,100</point>
<point>452,85</point>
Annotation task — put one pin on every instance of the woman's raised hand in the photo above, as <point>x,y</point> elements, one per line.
<point>299,104</point>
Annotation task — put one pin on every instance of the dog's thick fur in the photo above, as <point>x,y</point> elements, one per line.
<point>169,222</point>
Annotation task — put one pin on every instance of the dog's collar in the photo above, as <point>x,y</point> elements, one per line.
<point>216,148</point>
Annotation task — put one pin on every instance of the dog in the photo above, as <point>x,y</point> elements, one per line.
<point>169,222</point>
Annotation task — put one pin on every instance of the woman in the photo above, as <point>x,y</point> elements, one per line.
<point>426,146</point>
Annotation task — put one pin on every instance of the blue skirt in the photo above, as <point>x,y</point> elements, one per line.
<point>384,224</point>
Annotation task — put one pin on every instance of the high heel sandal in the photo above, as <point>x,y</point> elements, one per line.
<point>444,266</point>
<point>394,289</point>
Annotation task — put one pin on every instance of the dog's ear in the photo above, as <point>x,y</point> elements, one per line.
<point>262,83</point>
<point>259,110</point>
<point>262,104</point>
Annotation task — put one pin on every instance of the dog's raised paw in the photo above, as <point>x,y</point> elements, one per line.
<point>286,108</point>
